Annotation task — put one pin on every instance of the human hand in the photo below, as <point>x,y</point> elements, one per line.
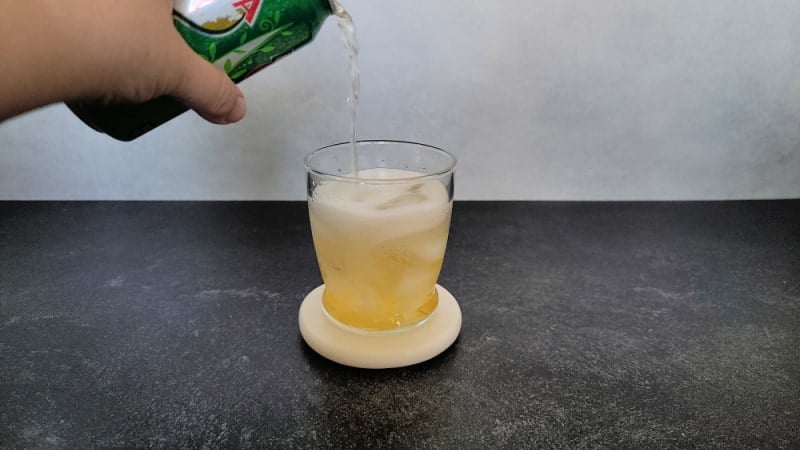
<point>108,51</point>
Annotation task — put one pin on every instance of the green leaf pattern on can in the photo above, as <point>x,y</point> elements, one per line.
<point>262,54</point>
<point>279,27</point>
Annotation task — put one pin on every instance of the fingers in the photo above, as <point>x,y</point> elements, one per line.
<point>209,91</point>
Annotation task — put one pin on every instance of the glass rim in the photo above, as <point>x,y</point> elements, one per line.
<point>351,179</point>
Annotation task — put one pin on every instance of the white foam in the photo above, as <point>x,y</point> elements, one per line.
<point>380,210</point>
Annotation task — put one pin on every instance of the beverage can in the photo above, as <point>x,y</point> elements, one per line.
<point>240,37</point>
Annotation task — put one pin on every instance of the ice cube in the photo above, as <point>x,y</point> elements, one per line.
<point>406,198</point>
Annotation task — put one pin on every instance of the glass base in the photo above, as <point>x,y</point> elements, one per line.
<point>379,350</point>
<point>352,329</point>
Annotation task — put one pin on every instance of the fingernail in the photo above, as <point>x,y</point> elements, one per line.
<point>238,111</point>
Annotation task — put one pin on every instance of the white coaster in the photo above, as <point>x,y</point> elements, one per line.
<point>382,350</point>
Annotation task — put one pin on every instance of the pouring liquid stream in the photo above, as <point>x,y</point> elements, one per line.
<point>348,31</point>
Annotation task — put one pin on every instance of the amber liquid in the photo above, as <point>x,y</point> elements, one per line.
<point>380,249</point>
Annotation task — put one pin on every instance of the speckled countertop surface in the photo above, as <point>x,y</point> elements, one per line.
<point>173,325</point>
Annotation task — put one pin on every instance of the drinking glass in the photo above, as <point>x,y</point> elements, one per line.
<point>380,216</point>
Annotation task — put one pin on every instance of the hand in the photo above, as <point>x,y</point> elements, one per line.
<point>109,51</point>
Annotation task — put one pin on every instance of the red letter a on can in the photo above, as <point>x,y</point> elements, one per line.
<point>249,8</point>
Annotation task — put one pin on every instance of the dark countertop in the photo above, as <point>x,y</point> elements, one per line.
<point>174,325</point>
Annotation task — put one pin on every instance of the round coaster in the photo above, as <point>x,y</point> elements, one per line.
<point>380,350</point>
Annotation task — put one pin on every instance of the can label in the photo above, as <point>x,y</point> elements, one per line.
<point>243,36</point>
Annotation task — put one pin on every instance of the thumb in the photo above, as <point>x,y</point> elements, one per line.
<point>209,91</point>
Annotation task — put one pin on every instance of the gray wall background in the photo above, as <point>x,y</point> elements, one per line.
<point>545,99</point>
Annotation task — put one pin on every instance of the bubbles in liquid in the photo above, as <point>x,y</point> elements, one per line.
<point>380,247</point>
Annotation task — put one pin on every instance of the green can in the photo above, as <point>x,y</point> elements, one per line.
<point>239,36</point>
